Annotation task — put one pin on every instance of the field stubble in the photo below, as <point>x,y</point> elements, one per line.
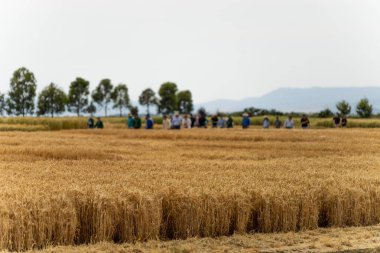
<point>88,186</point>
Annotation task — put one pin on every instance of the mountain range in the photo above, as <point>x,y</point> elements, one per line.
<point>307,100</point>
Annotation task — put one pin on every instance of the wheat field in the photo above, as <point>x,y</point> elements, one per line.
<point>118,185</point>
<point>349,239</point>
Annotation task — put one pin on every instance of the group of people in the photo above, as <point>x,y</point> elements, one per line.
<point>340,122</point>
<point>176,121</point>
<point>305,122</point>
<point>288,123</point>
<point>92,124</point>
<point>192,121</point>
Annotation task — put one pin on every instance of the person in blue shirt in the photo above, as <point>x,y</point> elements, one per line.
<point>277,122</point>
<point>222,122</point>
<point>246,121</point>
<point>149,122</point>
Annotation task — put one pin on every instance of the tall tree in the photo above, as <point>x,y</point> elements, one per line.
<point>120,98</point>
<point>168,98</point>
<point>78,95</point>
<point>364,108</point>
<point>3,104</point>
<point>91,109</point>
<point>102,94</point>
<point>22,92</point>
<point>326,113</point>
<point>134,110</point>
<point>148,98</point>
<point>52,100</point>
<point>343,107</point>
<point>184,102</point>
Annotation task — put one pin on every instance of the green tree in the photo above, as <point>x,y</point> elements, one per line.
<point>52,100</point>
<point>102,94</point>
<point>78,95</point>
<point>148,98</point>
<point>134,110</point>
<point>185,102</point>
<point>120,98</point>
<point>91,109</point>
<point>22,92</point>
<point>3,104</point>
<point>325,113</point>
<point>364,108</point>
<point>168,98</point>
<point>343,107</point>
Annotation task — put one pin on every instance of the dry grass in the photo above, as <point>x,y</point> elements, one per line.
<point>30,124</point>
<point>88,186</point>
<point>354,239</point>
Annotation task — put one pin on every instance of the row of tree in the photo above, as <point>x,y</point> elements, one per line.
<point>363,108</point>
<point>53,100</point>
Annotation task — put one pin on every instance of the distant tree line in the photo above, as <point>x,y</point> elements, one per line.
<point>258,112</point>
<point>53,100</point>
<point>363,109</point>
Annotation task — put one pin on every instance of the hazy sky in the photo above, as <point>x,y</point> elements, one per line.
<point>216,48</point>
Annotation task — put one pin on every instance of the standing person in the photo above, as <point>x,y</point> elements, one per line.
<point>130,122</point>
<point>186,122</point>
<point>166,122</point>
<point>289,123</point>
<point>222,122</point>
<point>305,123</point>
<point>202,121</point>
<point>214,121</point>
<point>246,121</point>
<point>149,122</point>
<point>230,122</point>
<point>277,122</point>
<point>193,120</point>
<point>99,123</point>
<point>137,122</point>
<point>336,120</point>
<point>266,122</point>
<point>90,123</point>
<point>344,121</point>
<point>176,122</point>
<point>196,123</point>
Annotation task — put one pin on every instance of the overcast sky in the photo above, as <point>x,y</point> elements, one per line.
<point>216,48</point>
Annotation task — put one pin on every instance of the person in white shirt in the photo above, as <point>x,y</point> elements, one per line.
<point>176,121</point>
<point>166,122</point>
<point>289,123</point>
<point>266,122</point>
<point>186,122</point>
